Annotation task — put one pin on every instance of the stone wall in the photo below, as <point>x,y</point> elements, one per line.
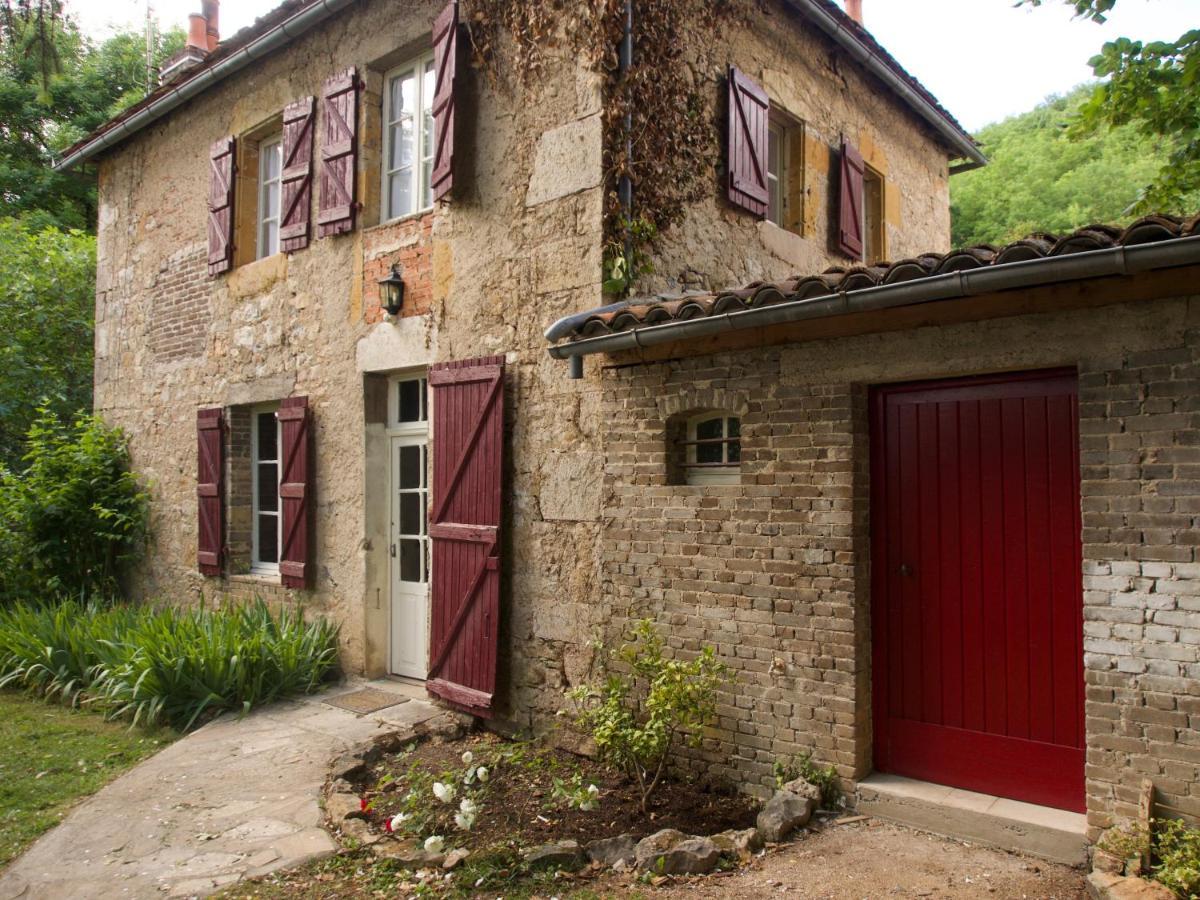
<point>775,572</point>
<point>815,86</point>
<point>519,245</point>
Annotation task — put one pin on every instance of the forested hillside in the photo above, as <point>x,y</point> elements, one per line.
<point>1040,179</point>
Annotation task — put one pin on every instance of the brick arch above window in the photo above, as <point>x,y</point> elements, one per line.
<point>692,402</point>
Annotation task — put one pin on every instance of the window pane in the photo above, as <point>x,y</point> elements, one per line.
<point>733,428</point>
<point>268,487</point>
<point>410,513</point>
<point>735,452</point>
<point>410,560</point>
<point>400,153</point>
<point>410,467</point>
<point>400,193</point>
<point>709,429</point>
<point>266,436</point>
<point>270,238</point>
<point>268,539</point>
<point>410,400</point>
<point>272,160</point>
<point>709,453</point>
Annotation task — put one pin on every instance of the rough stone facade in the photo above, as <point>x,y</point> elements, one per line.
<point>775,571</point>
<point>519,245</point>
<point>717,246</point>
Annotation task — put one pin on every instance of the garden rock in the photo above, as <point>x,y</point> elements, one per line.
<point>802,788</point>
<point>649,849</point>
<point>611,851</point>
<point>1107,886</point>
<point>359,830</point>
<point>409,854</point>
<point>695,856</point>
<point>339,806</point>
<point>454,857</point>
<point>783,814</point>
<point>738,843</point>
<point>558,855</point>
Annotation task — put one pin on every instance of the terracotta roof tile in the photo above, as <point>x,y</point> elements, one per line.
<point>838,279</point>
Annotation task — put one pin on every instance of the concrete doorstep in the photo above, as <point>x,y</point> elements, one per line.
<point>1053,834</point>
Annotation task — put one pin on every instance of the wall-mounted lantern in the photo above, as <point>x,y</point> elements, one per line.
<point>391,290</point>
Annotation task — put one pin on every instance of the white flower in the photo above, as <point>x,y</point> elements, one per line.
<point>470,776</point>
<point>481,773</point>
<point>398,820</point>
<point>435,844</point>
<point>444,792</point>
<point>467,758</point>
<point>465,817</point>
<point>593,791</point>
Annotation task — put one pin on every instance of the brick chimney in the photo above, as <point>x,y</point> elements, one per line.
<point>854,10</point>
<point>210,9</point>
<point>194,52</point>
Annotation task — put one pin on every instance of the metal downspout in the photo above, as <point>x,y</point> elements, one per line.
<point>952,285</point>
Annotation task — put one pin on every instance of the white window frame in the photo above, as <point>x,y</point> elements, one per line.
<point>261,218</point>
<point>724,473</point>
<point>415,67</point>
<point>257,566</point>
<point>418,433</point>
<point>777,178</point>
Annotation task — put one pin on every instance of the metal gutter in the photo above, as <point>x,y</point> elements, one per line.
<point>271,40</point>
<point>953,285</point>
<point>836,29</point>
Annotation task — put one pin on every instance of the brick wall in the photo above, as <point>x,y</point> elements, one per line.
<point>776,572</point>
<point>1140,447</point>
<point>408,242</point>
<point>179,314</point>
<point>766,570</point>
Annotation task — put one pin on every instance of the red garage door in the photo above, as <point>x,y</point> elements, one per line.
<point>977,604</point>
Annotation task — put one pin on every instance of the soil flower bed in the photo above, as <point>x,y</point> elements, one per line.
<point>483,792</point>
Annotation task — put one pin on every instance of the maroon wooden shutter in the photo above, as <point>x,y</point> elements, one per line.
<point>297,174</point>
<point>468,456</point>
<point>445,62</point>
<point>850,202</point>
<point>749,117</point>
<point>295,491</point>
<point>210,482</point>
<point>339,154</point>
<point>220,206</point>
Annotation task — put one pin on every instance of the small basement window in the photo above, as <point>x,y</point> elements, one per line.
<point>713,449</point>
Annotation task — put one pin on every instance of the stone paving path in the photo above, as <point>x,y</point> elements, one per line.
<point>234,799</point>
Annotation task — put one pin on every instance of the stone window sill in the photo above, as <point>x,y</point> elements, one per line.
<point>271,578</point>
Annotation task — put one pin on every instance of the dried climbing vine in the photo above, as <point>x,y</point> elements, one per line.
<point>659,126</point>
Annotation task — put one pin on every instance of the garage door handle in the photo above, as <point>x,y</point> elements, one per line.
<point>905,569</point>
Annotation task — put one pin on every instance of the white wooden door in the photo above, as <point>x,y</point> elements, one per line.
<point>409,548</point>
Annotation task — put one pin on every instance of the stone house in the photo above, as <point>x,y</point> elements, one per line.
<point>327,250</point>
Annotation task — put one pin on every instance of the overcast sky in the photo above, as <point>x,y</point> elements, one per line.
<point>983,59</point>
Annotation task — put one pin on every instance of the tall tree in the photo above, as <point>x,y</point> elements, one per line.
<point>56,86</point>
<point>1040,180</point>
<point>1154,87</point>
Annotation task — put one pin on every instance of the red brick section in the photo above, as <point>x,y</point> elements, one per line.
<point>408,242</point>
<point>180,316</point>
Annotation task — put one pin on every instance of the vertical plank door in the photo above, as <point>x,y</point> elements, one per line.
<point>977,588</point>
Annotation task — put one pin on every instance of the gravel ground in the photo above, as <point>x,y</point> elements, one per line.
<point>871,859</point>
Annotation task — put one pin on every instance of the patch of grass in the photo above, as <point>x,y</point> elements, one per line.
<point>51,756</point>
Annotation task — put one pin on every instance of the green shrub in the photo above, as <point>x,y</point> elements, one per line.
<point>1177,855</point>
<point>75,518</point>
<point>164,666</point>
<point>636,717</point>
<point>823,777</point>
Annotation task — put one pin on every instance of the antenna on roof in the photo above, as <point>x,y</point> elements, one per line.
<point>151,75</point>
